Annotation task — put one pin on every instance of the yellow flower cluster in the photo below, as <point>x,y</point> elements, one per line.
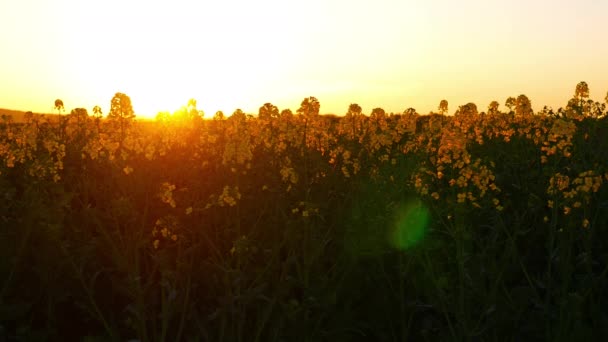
<point>165,229</point>
<point>42,153</point>
<point>450,162</point>
<point>102,147</point>
<point>237,148</point>
<point>305,209</point>
<point>350,166</point>
<point>166,194</point>
<point>288,173</point>
<point>559,139</point>
<point>575,193</point>
<point>229,196</point>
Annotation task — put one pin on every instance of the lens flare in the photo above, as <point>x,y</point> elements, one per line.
<point>410,225</point>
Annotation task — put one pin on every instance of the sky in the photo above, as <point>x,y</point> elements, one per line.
<point>230,54</point>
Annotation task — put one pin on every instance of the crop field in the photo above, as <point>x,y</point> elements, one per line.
<point>296,226</point>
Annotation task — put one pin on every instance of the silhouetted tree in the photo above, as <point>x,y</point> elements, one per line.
<point>59,106</point>
<point>443,107</point>
<point>493,108</point>
<point>523,106</point>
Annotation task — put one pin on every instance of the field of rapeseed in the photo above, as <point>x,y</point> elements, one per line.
<point>303,227</point>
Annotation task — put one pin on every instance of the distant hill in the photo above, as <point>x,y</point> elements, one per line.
<point>18,115</point>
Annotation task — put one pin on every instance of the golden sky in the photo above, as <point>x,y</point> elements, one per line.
<point>392,54</point>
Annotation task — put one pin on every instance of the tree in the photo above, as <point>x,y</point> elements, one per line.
<point>268,111</point>
<point>523,106</point>
<point>59,106</point>
<point>443,107</point>
<point>310,106</point>
<point>493,108</point>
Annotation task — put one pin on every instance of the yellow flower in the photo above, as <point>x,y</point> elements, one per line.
<point>127,170</point>
<point>585,223</point>
<point>188,210</point>
<point>461,197</point>
<point>166,194</point>
<point>156,243</point>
